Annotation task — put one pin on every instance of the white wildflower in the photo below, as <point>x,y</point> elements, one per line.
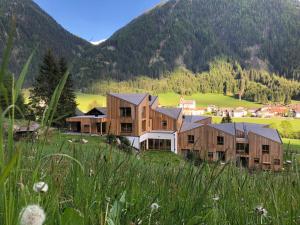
<point>70,141</point>
<point>84,141</point>
<point>91,173</point>
<point>261,211</point>
<point>288,162</point>
<point>32,215</point>
<point>40,187</point>
<point>216,198</point>
<point>222,163</point>
<point>154,206</point>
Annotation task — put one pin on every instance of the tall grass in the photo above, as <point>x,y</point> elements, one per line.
<point>95,184</point>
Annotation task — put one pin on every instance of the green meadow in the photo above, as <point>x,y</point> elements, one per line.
<point>95,183</point>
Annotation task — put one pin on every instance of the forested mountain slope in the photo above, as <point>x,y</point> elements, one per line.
<point>35,27</point>
<point>262,34</point>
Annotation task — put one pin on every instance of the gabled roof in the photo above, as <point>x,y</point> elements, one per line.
<point>102,109</point>
<point>194,118</point>
<point>269,133</point>
<point>186,126</point>
<point>135,99</point>
<point>259,129</point>
<point>171,112</point>
<point>153,99</point>
<point>225,127</point>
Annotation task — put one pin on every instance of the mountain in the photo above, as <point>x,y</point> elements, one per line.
<point>259,34</point>
<point>35,27</point>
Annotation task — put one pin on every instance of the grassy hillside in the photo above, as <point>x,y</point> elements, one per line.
<point>93,183</point>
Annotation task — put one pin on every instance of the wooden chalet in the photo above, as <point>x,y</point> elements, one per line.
<point>150,127</point>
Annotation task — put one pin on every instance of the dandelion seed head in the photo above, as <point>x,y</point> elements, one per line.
<point>40,187</point>
<point>32,215</point>
<point>261,211</point>
<point>154,206</point>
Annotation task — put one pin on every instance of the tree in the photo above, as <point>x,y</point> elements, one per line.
<point>44,85</point>
<point>226,119</point>
<point>67,102</point>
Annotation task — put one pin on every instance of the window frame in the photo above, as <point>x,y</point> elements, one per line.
<point>265,150</point>
<point>164,124</point>
<point>126,130</point>
<point>191,139</point>
<point>220,140</point>
<point>125,112</point>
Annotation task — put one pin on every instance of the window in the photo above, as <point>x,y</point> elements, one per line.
<point>125,112</point>
<point>191,139</point>
<point>242,147</point>
<point>126,127</point>
<point>221,156</point>
<point>164,124</point>
<point>276,161</point>
<point>210,155</point>
<point>256,160</point>
<point>220,140</point>
<point>143,125</point>
<point>144,112</point>
<point>266,149</point>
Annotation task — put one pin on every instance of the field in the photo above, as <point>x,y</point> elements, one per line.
<point>85,101</point>
<point>95,183</point>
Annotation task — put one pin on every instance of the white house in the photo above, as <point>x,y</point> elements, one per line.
<point>187,104</point>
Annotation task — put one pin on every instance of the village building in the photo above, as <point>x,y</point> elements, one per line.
<point>140,119</point>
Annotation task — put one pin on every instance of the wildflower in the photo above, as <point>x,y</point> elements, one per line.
<point>216,198</point>
<point>84,141</point>
<point>32,215</point>
<point>222,163</point>
<point>261,211</point>
<point>154,206</point>
<point>288,162</point>
<point>70,141</point>
<point>40,187</point>
<point>91,173</point>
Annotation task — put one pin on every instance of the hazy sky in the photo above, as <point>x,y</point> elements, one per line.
<point>95,20</point>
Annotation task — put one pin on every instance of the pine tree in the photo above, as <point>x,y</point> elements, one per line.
<point>51,72</point>
<point>226,119</point>
<point>44,85</point>
<point>67,102</point>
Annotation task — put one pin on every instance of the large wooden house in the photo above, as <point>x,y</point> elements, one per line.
<point>150,127</point>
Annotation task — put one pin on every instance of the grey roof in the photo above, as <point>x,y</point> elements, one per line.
<point>259,129</point>
<point>189,126</point>
<point>135,99</point>
<point>171,112</point>
<point>102,109</point>
<point>194,118</point>
<point>269,133</point>
<point>153,99</point>
<point>225,127</point>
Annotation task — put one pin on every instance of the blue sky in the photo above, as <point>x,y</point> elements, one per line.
<point>95,20</point>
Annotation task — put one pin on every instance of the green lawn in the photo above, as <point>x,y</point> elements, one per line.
<point>202,100</point>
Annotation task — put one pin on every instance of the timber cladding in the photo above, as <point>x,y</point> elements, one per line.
<point>215,143</point>
<point>160,121</point>
<point>193,140</point>
<point>139,116</point>
<point>264,153</point>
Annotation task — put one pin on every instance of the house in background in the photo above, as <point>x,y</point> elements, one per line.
<point>140,119</point>
<point>187,104</point>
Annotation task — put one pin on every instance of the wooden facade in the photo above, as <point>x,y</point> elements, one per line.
<point>160,121</point>
<point>193,140</point>
<point>139,116</point>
